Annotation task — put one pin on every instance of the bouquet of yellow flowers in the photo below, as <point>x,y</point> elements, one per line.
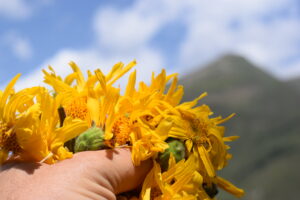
<point>82,113</point>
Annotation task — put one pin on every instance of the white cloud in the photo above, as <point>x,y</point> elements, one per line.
<point>260,34</point>
<point>22,48</point>
<point>19,45</point>
<point>16,9</point>
<point>210,29</point>
<point>126,30</point>
<point>290,71</point>
<point>20,9</point>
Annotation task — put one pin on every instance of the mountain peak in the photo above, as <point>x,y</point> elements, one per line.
<point>235,81</point>
<point>233,57</point>
<point>238,67</point>
<point>228,71</point>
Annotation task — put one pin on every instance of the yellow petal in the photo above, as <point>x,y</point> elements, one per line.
<point>70,78</point>
<point>93,109</point>
<point>131,84</point>
<point>229,187</point>
<point>148,183</point>
<point>101,79</point>
<point>164,127</point>
<point>185,175</point>
<point>177,96</point>
<point>171,91</point>
<point>230,138</point>
<point>206,161</point>
<point>191,104</point>
<point>70,130</point>
<point>226,119</point>
<point>123,71</point>
<point>189,145</point>
<point>18,100</point>
<point>7,92</point>
<point>80,77</point>
<point>116,69</point>
<point>58,85</point>
<point>62,153</point>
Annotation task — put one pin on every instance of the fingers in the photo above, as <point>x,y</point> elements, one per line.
<point>127,176</point>
<point>116,167</point>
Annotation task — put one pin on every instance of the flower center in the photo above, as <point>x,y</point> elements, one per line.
<point>203,141</point>
<point>121,130</point>
<point>199,126</point>
<point>77,108</point>
<point>3,127</point>
<point>8,140</point>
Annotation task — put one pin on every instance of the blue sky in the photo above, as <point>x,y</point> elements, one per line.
<point>174,34</point>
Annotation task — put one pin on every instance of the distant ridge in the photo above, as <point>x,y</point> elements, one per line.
<point>268,121</point>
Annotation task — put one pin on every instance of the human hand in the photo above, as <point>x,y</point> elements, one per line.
<point>88,175</point>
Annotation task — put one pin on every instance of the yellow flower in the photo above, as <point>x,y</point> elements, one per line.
<point>144,108</point>
<point>95,100</point>
<point>39,134</point>
<point>170,184</point>
<point>146,146</point>
<point>203,138</point>
<point>73,97</point>
<point>12,105</point>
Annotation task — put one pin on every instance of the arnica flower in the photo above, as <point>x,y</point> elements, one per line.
<point>42,136</point>
<point>169,184</point>
<point>204,139</point>
<point>29,126</point>
<point>94,100</point>
<point>145,107</point>
<point>73,97</point>
<point>12,107</point>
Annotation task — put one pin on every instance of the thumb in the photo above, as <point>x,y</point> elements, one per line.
<point>116,167</point>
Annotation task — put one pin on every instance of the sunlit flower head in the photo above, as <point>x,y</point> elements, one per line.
<point>41,134</point>
<point>12,106</point>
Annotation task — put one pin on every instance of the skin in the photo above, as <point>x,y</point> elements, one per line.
<point>88,175</point>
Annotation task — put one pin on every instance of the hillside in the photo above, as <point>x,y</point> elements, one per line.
<point>295,83</point>
<point>267,120</point>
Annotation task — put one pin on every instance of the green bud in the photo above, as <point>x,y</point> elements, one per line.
<point>91,139</point>
<point>177,148</point>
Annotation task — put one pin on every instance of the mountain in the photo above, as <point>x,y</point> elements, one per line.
<point>295,83</point>
<point>266,160</point>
